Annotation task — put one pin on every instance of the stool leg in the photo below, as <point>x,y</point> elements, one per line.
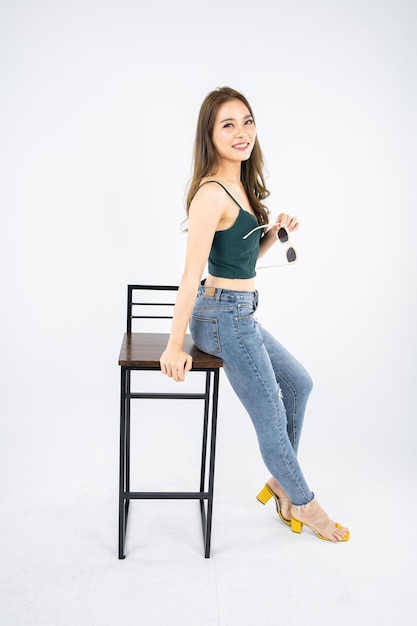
<point>122,466</point>
<point>205,433</point>
<point>204,455</point>
<point>213,434</point>
<point>127,448</point>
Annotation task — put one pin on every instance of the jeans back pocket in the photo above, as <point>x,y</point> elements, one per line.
<point>205,333</point>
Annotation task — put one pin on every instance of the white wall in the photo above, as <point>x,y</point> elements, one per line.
<point>98,106</point>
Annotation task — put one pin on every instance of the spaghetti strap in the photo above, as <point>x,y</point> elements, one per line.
<point>228,192</point>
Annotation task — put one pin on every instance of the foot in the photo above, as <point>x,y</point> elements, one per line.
<point>316,518</point>
<point>284,501</point>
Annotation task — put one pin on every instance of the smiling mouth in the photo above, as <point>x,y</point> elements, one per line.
<point>241,146</point>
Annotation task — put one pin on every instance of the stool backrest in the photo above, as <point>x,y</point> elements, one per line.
<point>150,302</point>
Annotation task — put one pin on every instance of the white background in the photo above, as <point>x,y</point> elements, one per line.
<point>98,107</point>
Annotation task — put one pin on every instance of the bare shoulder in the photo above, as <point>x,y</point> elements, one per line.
<point>210,195</point>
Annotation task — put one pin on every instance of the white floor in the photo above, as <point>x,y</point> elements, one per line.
<point>59,566</point>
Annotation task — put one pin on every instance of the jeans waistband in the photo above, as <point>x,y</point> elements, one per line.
<point>228,295</point>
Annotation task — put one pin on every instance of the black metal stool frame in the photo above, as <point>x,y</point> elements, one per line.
<point>210,399</point>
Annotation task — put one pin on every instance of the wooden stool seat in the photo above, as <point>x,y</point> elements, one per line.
<point>145,349</point>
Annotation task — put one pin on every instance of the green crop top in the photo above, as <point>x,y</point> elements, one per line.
<point>231,256</point>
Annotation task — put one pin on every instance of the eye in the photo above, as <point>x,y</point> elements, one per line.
<point>228,125</point>
<point>249,121</point>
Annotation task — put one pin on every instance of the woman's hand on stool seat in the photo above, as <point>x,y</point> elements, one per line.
<point>176,363</point>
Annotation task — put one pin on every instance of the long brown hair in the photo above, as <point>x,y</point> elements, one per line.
<point>205,160</point>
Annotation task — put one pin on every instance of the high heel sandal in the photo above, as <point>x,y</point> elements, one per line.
<point>297,527</point>
<point>265,495</point>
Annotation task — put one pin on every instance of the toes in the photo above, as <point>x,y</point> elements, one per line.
<point>341,533</point>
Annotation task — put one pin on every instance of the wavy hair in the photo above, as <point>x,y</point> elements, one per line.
<point>205,158</point>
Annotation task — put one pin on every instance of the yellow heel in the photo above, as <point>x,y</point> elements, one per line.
<point>265,495</point>
<point>296,525</point>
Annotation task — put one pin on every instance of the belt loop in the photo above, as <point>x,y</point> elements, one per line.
<point>218,294</point>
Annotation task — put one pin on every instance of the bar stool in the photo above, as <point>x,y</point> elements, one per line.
<point>140,351</point>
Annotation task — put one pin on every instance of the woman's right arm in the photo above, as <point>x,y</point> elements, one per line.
<point>206,211</point>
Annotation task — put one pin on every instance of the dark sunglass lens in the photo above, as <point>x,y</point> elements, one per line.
<point>291,255</point>
<point>282,235</point>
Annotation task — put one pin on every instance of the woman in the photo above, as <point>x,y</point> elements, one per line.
<point>225,202</point>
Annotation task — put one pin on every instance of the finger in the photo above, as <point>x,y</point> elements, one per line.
<point>183,369</point>
<point>170,371</point>
<point>284,220</point>
<point>188,364</point>
<point>294,224</point>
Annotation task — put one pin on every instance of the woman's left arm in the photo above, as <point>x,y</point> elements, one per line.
<point>268,240</point>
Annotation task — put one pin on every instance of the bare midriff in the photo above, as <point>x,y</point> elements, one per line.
<point>235,284</point>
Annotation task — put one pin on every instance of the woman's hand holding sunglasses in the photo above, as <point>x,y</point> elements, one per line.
<point>281,228</point>
<point>288,222</point>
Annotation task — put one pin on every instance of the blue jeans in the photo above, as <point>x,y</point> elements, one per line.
<point>271,384</point>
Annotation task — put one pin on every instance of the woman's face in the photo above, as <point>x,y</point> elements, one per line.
<point>234,131</point>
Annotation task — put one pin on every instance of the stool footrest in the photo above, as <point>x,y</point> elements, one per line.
<point>166,396</point>
<point>165,495</point>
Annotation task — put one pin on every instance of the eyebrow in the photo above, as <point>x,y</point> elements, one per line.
<point>232,119</point>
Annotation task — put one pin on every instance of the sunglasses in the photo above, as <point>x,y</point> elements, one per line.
<point>283,237</point>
